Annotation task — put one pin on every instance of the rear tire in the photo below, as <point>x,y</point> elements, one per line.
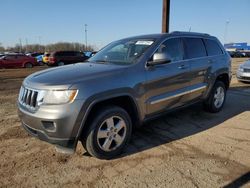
<point>28,65</point>
<point>217,97</point>
<point>109,132</point>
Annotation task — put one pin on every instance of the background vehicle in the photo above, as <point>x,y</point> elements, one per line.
<point>39,59</point>
<point>17,60</point>
<point>60,58</point>
<point>243,73</point>
<point>46,58</point>
<point>237,54</point>
<point>90,53</point>
<point>128,82</point>
<point>35,54</point>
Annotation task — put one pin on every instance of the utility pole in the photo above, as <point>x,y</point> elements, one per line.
<point>26,40</point>
<point>39,46</point>
<point>86,36</point>
<point>20,43</point>
<point>165,16</point>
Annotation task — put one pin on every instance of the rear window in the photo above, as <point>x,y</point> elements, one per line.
<point>212,47</point>
<point>194,48</point>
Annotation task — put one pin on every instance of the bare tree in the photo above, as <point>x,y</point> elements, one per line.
<point>60,46</point>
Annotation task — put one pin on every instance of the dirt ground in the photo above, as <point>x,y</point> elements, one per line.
<point>187,148</point>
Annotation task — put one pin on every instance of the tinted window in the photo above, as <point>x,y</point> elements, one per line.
<point>194,48</point>
<point>173,49</point>
<point>212,47</point>
<point>10,57</point>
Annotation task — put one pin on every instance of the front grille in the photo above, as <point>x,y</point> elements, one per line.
<point>246,70</point>
<point>245,78</point>
<point>28,97</point>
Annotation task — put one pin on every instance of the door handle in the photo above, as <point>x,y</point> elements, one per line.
<point>183,67</point>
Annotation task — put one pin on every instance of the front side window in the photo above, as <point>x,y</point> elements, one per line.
<point>194,48</point>
<point>123,52</point>
<point>173,49</point>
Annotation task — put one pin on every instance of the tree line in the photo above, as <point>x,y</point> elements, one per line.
<point>59,46</point>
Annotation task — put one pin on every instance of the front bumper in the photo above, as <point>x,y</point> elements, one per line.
<point>243,76</point>
<point>55,124</point>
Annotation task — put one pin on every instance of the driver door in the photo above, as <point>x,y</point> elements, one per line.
<point>167,84</point>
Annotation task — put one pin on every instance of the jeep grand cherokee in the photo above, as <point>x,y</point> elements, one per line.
<point>125,84</point>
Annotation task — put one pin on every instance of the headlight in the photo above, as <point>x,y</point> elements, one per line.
<point>56,96</point>
<point>241,69</point>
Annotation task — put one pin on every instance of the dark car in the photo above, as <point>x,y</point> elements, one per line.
<point>60,58</point>
<point>17,60</point>
<point>125,84</point>
<point>237,54</point>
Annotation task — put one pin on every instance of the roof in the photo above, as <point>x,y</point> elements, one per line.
<point>174,33</point>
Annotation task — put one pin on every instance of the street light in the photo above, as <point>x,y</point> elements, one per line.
<point>226,29</point>
<point>86,36</point>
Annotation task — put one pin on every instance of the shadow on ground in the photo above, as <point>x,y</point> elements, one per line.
<point>186,122</point>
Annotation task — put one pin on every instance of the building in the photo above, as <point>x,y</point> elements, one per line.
<point>244,46</point>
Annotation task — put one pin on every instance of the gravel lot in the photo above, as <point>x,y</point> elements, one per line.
<point>187,148</point>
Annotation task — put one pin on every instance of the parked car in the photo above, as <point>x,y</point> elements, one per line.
<point>90,53</point>
<point>39,59</point>
<point>237,54</point>
<point>127,83</point>
<point>46,58</point>
<point>60,58</point>
<point>243,73</point>
<point>17,60</point>
<point>35,54</point>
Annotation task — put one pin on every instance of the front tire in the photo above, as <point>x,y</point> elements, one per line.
<point>217,97</point>
<point>109,132</point>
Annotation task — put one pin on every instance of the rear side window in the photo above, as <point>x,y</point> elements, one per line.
<point>212,47</point>
<point>194,48</point>
<point>173,49</point>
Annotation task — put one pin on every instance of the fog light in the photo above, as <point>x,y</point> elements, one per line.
<point>49,126</point>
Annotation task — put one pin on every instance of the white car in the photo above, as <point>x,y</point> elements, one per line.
<point>243,73</point>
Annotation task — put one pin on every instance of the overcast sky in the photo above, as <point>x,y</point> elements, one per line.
<point>108,20</point>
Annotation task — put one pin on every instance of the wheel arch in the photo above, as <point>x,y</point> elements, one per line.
<point>125,101</point>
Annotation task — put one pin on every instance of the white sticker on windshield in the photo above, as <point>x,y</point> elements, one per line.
<point>144,42</point>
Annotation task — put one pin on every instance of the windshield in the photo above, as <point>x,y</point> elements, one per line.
<point>123,52</point>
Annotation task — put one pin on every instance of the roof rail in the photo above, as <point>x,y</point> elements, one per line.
<point>186,32</point>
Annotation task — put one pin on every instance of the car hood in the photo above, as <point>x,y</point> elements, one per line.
<point>65,76</point>
<point>246,64</point>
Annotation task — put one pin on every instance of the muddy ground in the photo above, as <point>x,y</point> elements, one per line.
<point>187,148</point>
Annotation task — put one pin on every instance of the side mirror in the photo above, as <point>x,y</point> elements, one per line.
<point>159,59</point>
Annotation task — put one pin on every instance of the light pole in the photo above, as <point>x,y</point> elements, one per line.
<point>39,43</point>
<point>86,36</point>
<point>226,30</point>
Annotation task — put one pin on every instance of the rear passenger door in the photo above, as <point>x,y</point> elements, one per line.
<point>200,66</point>
<point>167,84</point>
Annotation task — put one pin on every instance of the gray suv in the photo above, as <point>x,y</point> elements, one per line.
<point>128,82</point>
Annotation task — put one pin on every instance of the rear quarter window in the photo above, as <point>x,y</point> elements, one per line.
<point>212,47</point>
<point>194,48</point>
